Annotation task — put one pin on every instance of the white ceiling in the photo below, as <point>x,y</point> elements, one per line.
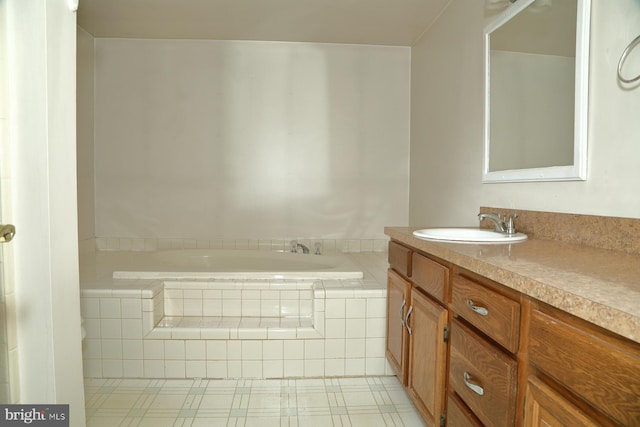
<point>379,22</point>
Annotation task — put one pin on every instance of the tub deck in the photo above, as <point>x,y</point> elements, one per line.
<point>216,264</point>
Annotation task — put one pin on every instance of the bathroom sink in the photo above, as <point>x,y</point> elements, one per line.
<point>468,235</point>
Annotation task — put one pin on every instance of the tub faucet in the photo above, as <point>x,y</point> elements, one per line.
<point>295,245</point>
<point>501,223</point>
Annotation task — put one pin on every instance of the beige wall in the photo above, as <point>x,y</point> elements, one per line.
<point>446,128</point>
<point>85,160</point>
<point>446,118</point>
<point>219,139</point>
<point>350,184</point>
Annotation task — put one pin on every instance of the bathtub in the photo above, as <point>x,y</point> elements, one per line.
<point>223,264</point>
<point>231,314</point>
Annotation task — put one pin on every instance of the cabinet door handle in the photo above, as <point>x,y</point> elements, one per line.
<point>480,310</point>
<point>473,387</point>
<point>406,320</point>
<point>404,303</point>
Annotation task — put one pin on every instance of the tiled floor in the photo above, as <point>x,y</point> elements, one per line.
<point>340,402</point>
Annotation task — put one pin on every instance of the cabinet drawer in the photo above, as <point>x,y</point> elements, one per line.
<point>492,313</point>
<point>483,376</point>
<point>543,406</point>
<point>458,415</point>
<point>430,276</point>
<point>602,371</point>
<point>400,258</point>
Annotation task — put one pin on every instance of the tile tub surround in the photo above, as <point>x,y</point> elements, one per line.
<point>598,285</point>
<point>156,329</point>
<point>130,335</point>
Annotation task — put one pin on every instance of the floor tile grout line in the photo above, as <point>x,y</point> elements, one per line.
<point>365,397</point>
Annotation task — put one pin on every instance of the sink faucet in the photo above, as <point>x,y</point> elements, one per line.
<point>501,223</point>
<point>295,245</point>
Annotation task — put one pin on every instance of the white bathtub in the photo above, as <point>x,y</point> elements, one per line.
<point>223,264</point>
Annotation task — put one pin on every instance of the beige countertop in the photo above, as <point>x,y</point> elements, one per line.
<point>597,285</point>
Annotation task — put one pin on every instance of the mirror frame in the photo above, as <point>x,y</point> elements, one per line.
<point>577,171</point>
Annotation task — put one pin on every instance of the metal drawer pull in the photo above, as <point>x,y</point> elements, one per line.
<point>480,310</point>
<point>7,231</point>
<point>406,320</point>
<point>473,387</point>
<point>404,303</point>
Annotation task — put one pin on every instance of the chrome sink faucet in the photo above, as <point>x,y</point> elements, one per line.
<point>295,245</point>
<point>501,223</point>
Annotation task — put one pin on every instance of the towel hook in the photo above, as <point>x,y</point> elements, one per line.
<point>628,49</point>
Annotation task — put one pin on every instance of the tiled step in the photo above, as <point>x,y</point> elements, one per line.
<point>229,327</point>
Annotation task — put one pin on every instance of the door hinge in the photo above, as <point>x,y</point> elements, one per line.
<point>446,333</point>
<point>443,419</point>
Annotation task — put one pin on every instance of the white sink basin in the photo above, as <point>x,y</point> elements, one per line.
<point>468,235</point>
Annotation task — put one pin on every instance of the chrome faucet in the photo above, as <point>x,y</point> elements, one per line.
<point>295,245</point>
<point>501,223</point>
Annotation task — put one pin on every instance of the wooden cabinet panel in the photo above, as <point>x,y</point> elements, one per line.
<point>603,372</point>
<point>458,415</point>
<point>427,356</point>
<point>397,336</point>
<point>492,313</point>
<point>400,258</point>
<point>483,376</point>
<point>430,276</point>
<point>571,372</point>
<point>544,407</point>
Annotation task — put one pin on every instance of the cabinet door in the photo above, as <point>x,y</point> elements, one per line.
<point>427,356</point>
<point>397,335</point>
<point>545,407</point>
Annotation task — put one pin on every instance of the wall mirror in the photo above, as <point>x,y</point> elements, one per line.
<point>536,91</point>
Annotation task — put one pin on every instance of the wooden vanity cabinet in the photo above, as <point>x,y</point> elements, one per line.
<point>400,258</point>
<point>430,276</point>
<point>494,314</point>
<point>427,324</point>
<point>416,342</point>
<point>483,376</point>
<point>509,359</point>
<point>594,372</point>
<point>546,407</point>
<point>485,337</point>
<point>398,301</point>
<point>459,415</point>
